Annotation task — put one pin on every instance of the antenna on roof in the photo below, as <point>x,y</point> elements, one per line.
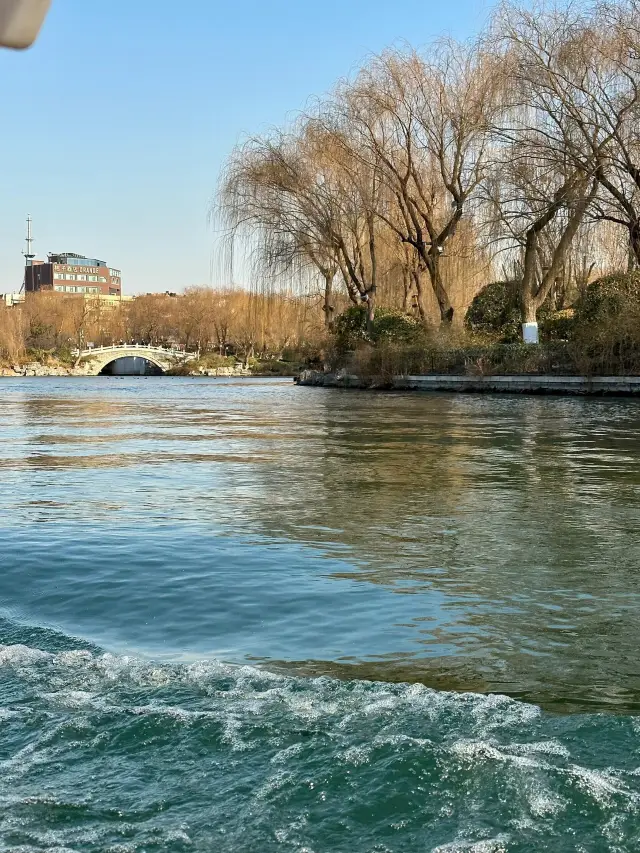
<point>29,253</point>
<point>29,256</point>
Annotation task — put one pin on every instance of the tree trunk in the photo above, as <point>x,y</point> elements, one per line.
<point>248,356</point>
<point>532,294</point>
<point>634,246</point>
<point>529,308</point>
<point>421,300</point>
<point>446,308</point>
<point>406,290</point>
<point>328,307</point>
<point>371,309</point>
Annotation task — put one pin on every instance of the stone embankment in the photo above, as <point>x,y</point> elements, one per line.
<point>628,386</point>
<point>84,369</point>
<point>221,371</point>
<point>338,379</point>
<point>37,369</point>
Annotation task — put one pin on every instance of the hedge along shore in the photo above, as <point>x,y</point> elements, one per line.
<point>619,386</point>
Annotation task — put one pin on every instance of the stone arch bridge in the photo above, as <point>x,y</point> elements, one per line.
<point>97,358</point>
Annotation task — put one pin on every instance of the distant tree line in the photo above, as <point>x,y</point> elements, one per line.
<point>224,322</point>
<point>514,156</point>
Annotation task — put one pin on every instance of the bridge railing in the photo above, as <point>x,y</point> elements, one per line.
<point>175,353</point>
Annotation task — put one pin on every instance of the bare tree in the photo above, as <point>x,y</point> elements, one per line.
<point>267,196</point>
<point>424,125</point>
<point>549,144</point>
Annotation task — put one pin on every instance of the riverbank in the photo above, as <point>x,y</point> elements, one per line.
<point>38,369</point>
<point>627,386</point>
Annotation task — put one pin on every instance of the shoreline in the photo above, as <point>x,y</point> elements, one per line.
<point>529,384</point>
<point>37,370</point>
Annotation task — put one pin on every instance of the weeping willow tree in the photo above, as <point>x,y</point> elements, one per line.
<point>410,184</point>
<point>371,192</point>
<point>270,207</point>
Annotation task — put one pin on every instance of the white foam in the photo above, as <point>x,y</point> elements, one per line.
<point>21,655</point>
<point>7,714</point>
<point>357,755</point>
<point>285,755</point>
<point>477,751</point>
<point>546,747</point>
<point>72,698</point>
<point>489,845</point>
<point>602,786</point>
<point>544,803</point>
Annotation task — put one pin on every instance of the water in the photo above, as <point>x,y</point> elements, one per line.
<point>243,616</point>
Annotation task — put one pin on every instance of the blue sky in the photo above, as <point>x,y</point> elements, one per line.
<point>116,123</point>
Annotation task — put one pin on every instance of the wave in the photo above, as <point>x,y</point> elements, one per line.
<point>106,752</point>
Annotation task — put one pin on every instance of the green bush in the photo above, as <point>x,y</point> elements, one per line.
<point>557,326</point>
<point>389,325</point>
<point>212,360</point>
<point>273,367</point>
<point>495,312</point>
<point>350,328</point>
<point>606,334</point>
<point>608,297</point>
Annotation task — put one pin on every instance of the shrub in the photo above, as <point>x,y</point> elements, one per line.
<point>558,325</point>
<point>389,325</point>
<point>495,312</point>
<point>212,360</point>
<point>273,367</point>
<point>388,360</point>
<point>350,328</point>
<point>606,332</point>
<point>608,297</point>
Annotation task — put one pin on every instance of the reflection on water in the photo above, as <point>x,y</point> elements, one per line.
<point>484,543</point>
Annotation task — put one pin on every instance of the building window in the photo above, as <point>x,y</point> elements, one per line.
<point>59,288</point>
<point>102,278</point>
<point>58,275</point>
<point>82,278</point>
<point>93,278</point>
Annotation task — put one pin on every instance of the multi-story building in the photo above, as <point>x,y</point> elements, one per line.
<point>71,273</point>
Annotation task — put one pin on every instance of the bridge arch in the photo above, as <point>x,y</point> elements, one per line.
<point>99,358</point>
<point>138,365</point>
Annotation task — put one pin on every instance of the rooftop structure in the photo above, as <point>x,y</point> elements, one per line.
<point>69,272</point>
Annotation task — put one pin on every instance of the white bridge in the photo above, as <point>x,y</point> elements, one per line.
<point>164,359</point>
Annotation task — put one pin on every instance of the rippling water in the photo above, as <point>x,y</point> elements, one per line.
<point>244,616</point>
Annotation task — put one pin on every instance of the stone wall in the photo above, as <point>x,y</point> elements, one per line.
<point>525,384</point>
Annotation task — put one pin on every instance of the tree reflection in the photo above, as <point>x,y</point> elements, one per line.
<point>520,511</point>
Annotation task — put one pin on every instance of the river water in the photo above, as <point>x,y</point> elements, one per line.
<point>244,616</point>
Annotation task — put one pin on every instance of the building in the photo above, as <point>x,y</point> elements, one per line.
<point>71,273</point>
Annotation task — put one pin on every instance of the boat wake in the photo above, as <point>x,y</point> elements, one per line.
<point>107,753</point>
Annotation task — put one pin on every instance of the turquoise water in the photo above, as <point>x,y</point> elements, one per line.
<point>243,616</point>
